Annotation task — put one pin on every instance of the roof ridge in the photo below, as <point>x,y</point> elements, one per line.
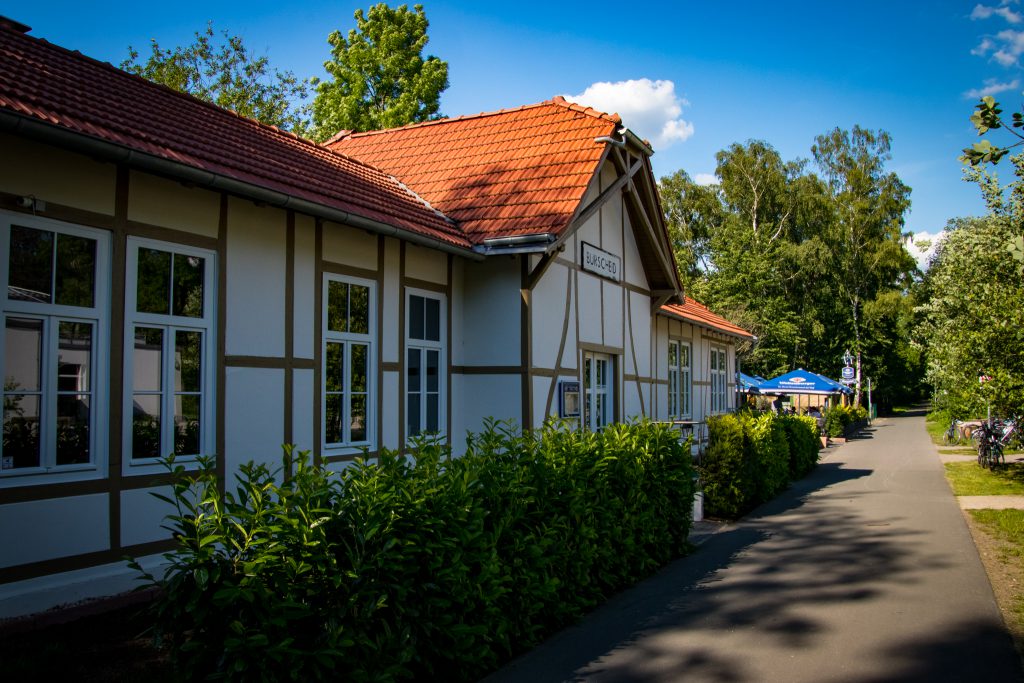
<point>122,73</point>
<point>557,100</point>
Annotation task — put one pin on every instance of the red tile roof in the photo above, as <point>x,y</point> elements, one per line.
<point>49,84</point>
<point>693,311</point>
<point>512,172</point>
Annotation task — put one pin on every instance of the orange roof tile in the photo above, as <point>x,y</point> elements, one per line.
<point>512,172</point>
<point>54,86</point>
<point>692,311</point>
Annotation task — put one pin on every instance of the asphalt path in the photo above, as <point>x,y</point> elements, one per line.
<point>864,571</point>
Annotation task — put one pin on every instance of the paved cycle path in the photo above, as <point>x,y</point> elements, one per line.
<point>864,571</point>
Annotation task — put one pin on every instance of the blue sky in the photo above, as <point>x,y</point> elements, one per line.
<point>714,73</point>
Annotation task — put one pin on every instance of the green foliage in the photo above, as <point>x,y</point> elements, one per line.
<point>811,264</point>
<point>839,417</point>
<point>751,458</point>
<point>379,77</point>
<point>426,567</point>
<point>973,321</point>
<point>228,75</point>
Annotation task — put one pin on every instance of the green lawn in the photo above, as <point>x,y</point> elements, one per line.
<point>968,479</point>
<point>1007,527</point>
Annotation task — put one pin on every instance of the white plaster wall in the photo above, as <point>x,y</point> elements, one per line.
<point>549,314</point>
<point>541,387</point>
<point>590,309</point>
<point>614,314</point>
<point>304,429</point>
<point>48,529</point>
<point>350,246</point>
<point>256,278</point>
<point>254,419</point>
<point>142,515</point>
<point>67,588</point>
<point>611,216</point>
<point>170,204</point>
<point>306,287</point>
<point>426,264</point>
<point>457,312</point>
<point>631,262</point>
<point>480,397</point>
<point>491,313</point>
<point>640,331</point>
<point>56,176</point>
<point>389,394</point>
<point>590,232</point>
<point>389,324</point>
<point>631,406</point>
<point>570,355</point>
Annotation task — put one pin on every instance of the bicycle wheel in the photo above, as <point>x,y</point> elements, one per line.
<point>995,455</point>
<point>947,437</point>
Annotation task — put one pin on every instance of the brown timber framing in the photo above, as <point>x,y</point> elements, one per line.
<point>525,343</point>
<point>561,343</point>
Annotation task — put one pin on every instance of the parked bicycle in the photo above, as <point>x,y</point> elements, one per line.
<point>988,440</point>
<point>953,434</point>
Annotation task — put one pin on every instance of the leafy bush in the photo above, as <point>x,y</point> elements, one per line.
<point>422,567</point>
<point>804,440</point>
<point>750,459</point>
<point>727,476</point>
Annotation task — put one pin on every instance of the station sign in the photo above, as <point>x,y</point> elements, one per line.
<point>847,373</point>
<point>600,262</point>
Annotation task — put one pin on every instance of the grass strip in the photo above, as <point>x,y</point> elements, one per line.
<point>969,479</point>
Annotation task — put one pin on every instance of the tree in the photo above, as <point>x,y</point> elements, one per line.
<point>1008,200</point>
<point>867,239</point>
<point>974,319</point>
<point>692,213</point>
<point>227,75</point>
<point>379,78</point>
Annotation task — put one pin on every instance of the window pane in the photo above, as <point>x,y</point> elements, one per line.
<point>188,285</point>
<point>31,265</point>
<point>188,358</point>
<point>73,429</point>
<point>359,353</point>
<point>433,319</point>
<point>153,290</point>
<point>413,417</point>
<point>332,418</point>
<point>673,355</point>
<point>148,358</point>
<point>714,361</point>
<point>76,266</point>
<point>357,423</point>
<point>432,361</point>
<point>23,354</point>
<point>432,409</point>
<point>359,309</point>
<point>587,365</point>
<point>684,355</point>
<point>74,356</point>
<point>413,371</point>
<point>337,306</point>
<point>146,426</point>
<point>415,317</point>
<point>21,431</point>
<point>335,367</point>
<point>187,424</point>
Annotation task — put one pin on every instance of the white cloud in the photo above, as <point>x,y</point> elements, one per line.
<point>922,246</point>
<point>984,47</point>
<point>992,87</point>
<point>984,12</point>
<point>651,109</point>
<point>705,179</point>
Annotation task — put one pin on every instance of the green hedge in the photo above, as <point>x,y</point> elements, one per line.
<point>426,567</point>
<point>751,458</point>
<point>839,417</point>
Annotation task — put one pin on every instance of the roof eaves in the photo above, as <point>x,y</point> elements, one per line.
<point>119,153</point>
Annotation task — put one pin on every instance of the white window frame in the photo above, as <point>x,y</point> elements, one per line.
<point>52,314</point>
<point>589,418</point>
<point>424,345</point>
<point>170,324</point>
<point>680,380</point>
<point>718,365</point>
<point>349,447</point>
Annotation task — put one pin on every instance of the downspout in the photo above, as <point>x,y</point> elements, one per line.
<point>108,151</point>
